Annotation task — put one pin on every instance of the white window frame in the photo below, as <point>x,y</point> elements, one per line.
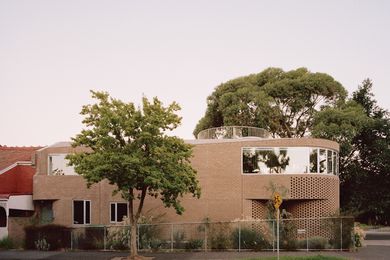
<point>50,164</point>
<point>84,211</point>
<point>116,210</point>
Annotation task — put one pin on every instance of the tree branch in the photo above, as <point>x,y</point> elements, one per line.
<point>141,202</point>
<point>131,206</point>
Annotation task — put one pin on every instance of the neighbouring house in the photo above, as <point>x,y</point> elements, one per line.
<point>235,168</point>
<point>17,168</point>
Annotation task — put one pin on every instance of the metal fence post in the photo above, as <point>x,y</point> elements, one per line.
<point>205,237</point>
<point>273,235</point>
<point>104,239</point>
<point>172,237</point>
<point>239,236</point>
<point>277,233</point>
<point>307,237</point>
<point>341,234</point>
<point>71,239</point>
<point>138,235</point>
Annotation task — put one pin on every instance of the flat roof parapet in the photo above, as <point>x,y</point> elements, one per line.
<point>233,132</point>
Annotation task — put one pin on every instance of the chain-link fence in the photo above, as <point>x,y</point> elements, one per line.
<point>244,235</point>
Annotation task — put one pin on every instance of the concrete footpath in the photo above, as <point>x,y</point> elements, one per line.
<point>369,252</point>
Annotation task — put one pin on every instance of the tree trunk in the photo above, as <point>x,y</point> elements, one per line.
<point>133,240</point>
<point>134,222</point>
<point>133,228</point>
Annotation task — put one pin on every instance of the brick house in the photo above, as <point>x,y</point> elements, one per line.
<point>235,166</point>
<point>16,187</point>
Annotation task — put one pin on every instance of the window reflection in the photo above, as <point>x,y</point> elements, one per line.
<point>322,161</point>
<point>314,160</point>
<point>273,160</point>
<point>289,160</point>
<point>330,162</point>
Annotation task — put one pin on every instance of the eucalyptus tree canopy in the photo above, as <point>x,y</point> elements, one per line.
<point>362,129</point>
<point>282,102</point>
<point>365,184</point>
<point>129,147</point>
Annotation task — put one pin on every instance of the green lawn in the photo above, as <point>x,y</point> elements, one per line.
<point>318,257</point>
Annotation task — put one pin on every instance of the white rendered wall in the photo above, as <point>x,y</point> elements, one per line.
<point>23,202</point>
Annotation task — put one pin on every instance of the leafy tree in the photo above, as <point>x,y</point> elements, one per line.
<point>341,124</point>
<point>362,129</point>
<point>297,103</point>
<point>282,102</point>
<point>365,183</point>
<point>129,147</point>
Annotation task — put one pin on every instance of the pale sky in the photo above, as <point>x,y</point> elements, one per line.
<point>53,52</point>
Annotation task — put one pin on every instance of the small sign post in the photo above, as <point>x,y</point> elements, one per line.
<point>277,198</point>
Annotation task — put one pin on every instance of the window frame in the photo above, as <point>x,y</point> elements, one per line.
<point>116,211</point>
<point>84,212</point>
<point>50,165</point>
<point>334,163</point>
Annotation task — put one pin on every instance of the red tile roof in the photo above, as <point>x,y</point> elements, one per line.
<point>11,155</point>
<point>17,180</point>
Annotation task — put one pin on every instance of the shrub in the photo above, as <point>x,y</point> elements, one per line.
<point>287,233</point>
<point>220,236</point>
<point>92,238</point>
<point>56,235</point>
<point>42,245</point>
<point>194,244</point>
<point>250,239</point>
<point>118,237</point>
<point>347,232</point>
<point>179,237</point>
<point>358,235</point>
<point>147,236</point>
<point>148,233</point>
<point>155,244</point>
<point>318,243</point>
<point>6,243</point>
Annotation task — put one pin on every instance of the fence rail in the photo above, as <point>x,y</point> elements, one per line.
<point>243,235</point>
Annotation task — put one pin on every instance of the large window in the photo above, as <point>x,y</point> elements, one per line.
<point>276,160</point>
<point>81,212</point>
<point>117,211</point>
<point>58,165</point>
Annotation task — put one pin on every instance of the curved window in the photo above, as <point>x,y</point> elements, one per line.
<point>276,160</point>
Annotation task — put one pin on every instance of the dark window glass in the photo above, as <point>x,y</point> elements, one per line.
<point>20,213</point>
<point>78,212</point>
<point>113,210</point>
<point>3,217</point>
<point>87,212</point>
<point>121,211</point>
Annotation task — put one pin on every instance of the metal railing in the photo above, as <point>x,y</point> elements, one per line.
<point>233,132</point>
<point>242,235</point>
